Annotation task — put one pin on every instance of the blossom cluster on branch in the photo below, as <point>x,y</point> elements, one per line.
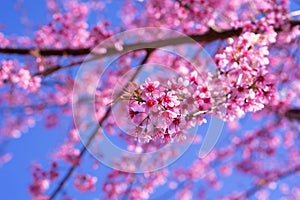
<point>165,112</point>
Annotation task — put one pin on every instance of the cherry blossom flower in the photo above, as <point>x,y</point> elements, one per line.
<point>84,182</point>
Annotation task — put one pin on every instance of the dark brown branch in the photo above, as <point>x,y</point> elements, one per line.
<point>46,52</point>
<point>293,114</point>
<point>209,36</point>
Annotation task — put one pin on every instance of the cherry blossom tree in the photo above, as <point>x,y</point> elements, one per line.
<point>253,87</point>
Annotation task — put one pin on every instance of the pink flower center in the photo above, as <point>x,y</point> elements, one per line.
<point>150,103</point>
<point>167,99</point>
<point>150,88</point>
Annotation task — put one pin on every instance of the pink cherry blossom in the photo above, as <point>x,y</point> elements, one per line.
<point>85,183</point>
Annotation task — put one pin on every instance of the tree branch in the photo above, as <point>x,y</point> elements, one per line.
<point>209,36</point>
<point>293,114</point>
<point>84,148</point>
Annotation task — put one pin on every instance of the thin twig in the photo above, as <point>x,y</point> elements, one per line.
<point>84,148</point>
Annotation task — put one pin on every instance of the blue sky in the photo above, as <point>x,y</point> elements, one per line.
<point>38,143</point>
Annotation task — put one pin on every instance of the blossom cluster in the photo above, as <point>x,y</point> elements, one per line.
<point>242,83</point>
<point>21,77</point>
<point>69,29</point>
<point>60,32</point>
<point>164,112</point>
<point>116,185</point>
<point>68,151</point>
<point>42,180</point>
<point>242,70</point>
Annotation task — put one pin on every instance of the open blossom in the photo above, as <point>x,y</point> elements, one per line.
<point>39,187</point>
<point>169,99</point>
<point>24,78</point>
<point>149,86</point>
<point>85,182</point>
